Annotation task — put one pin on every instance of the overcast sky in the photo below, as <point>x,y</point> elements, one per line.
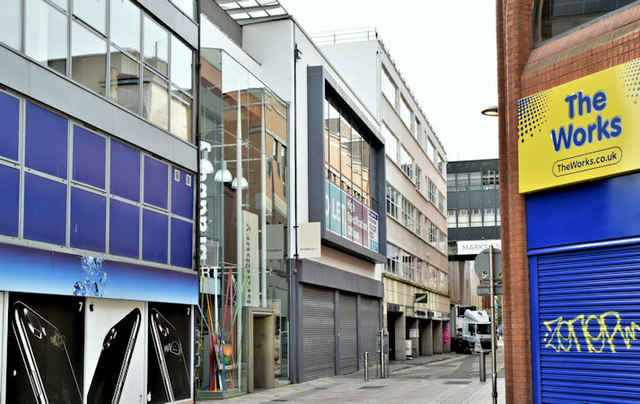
<point>446,51</point>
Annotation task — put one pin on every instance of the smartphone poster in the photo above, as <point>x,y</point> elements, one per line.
<point>169,352</point>
<point>114,346</point>
<point>44,349</point>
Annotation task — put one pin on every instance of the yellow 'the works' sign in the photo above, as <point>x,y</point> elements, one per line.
<point>582,130</point>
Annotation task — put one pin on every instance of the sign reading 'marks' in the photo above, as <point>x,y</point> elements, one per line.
<point>582,130</point>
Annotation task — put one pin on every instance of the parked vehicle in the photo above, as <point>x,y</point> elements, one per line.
<point>472,329</point>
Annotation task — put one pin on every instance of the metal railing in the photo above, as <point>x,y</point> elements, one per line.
<point>346,35</point>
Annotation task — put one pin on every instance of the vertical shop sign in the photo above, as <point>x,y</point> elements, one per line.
<point>250,257</point>
<point>373,231</point>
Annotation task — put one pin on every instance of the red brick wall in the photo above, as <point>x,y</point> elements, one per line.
<point>524,70</point>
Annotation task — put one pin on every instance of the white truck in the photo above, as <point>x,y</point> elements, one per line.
<point>472,329</point>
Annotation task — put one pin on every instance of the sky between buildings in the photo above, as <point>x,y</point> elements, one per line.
<point>446,51</point>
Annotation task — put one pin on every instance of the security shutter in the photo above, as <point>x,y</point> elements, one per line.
<point>588,330</point>
<point>369,327</point>
<point>348,334</point>
<point>318,333</point>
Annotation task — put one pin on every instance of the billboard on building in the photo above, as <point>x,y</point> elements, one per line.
<point>580,131</point>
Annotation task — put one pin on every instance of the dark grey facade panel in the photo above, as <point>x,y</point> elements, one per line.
<point>318,82</point>
<point>318,327</point>
<point>173,18</point>
<point>37,82</point>
<point>323,275</point>
<point>347,333</point>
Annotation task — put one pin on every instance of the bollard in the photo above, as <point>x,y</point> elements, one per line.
<point>483,371</point>
<point>366,366</point>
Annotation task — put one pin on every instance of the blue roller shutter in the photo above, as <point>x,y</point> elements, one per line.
<point>586,345</point>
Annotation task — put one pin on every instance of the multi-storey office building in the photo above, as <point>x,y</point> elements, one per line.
<point>415,196</point>
<point>277,308</point>
<point>473,221</point>
<point>97,179</point>
<point>569,70</point>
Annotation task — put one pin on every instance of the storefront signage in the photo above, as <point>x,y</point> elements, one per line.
<point>309,245</point>
<point>349,218</point>
<point>250,257</point>
<point>476,246</point>
<point>582,130</point>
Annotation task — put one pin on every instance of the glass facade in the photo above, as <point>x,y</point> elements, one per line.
<point>76,43</point>
<point>243,222</point>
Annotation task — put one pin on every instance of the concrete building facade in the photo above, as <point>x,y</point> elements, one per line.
<point>415,197</point>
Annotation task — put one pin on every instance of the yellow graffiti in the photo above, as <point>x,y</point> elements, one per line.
<point>561,335</point>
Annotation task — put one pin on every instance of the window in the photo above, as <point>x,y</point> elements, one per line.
<point>433,234</point>
<point>156,46</point>
<point>476,217</point>
<point>418,178</point>
<point>393,259</point>
<point>416,130</point>
<point>490,180</point>
<point>462,181</point>
<point>391,144</point>
<point>497,216</point>
<point>92,12</point>
<point>419,224</point>
<point>392,202</point>
<point>409,266</point>
<point>475,181</point>
<point>433,192</point>
<point>405,113</point>
<point>431,151</point>
<point>451,218</point>
<point>451,182</point>
<point>441,201</point>
<point>463,218</point>
<point>46,35</point>
<point>489,217</point>
<point>186,6</point>
<point>125,26</point>
<point>88,59</point>
<point>442,242</point>
<point>440,164</point>
<point>388,88</point>
<point>10,31</point>
<point>406,162</point>
<point>408,214</point>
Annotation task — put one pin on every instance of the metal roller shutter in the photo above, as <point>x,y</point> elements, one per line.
<point>318,333</point>
<point>589,325</point>
<point>348,334</point>
<point>369,327</point>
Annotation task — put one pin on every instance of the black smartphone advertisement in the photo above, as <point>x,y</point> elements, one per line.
<point>114,359</point>
<point>45,347</point>
<point>169,352</point>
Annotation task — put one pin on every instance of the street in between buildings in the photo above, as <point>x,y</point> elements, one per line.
<point>447,378</point>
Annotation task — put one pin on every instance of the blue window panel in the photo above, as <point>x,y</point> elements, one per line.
<point>182,193</point>
<point>88,220</point>
<point>45,208</point>
<point>9,200</point>
<point>155,182</point>
<point>46,141</point>
<point>125,171</point>
<point>9,126</point>
<point>155,236</point>
<point>89,155</point>
<point>124,229</point>
<point>181,243</point>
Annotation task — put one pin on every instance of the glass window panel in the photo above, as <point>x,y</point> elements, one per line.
<point>475,181</point>
<point>497,216</point>
<point>405,113</point>
<point>156,99</point>
<point>451,218</point>
<point>325,109</point>
<point>88,59</point>
<point>345,155</point>
<point>10,32</point>
<point>431,151</point>
<point>391,143</point>
<point>46,35</point>
<point>61,3</point>
<point>334,144</point>
<point>489,217</point>
<point>406,162</point>
<point>181,65</point>
<point>388,88</point>
<point>476,217</point>
<point>451,182</point>
<point>125,26</point>
<point>462,180</point>
<point>463,218</point>
<point>186,6</point>
<point>356,160</point>
<point>93,12</point>
<point>125,81</point>
<point>181,106</point>
<point>156,46</point>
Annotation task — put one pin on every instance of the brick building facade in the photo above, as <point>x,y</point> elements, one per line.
<point>526,68</point>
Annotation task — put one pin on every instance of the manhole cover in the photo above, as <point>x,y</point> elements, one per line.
<point>457,382</point>
<point>371,387</point>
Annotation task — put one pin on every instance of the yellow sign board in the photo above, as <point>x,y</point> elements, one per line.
<point>582,130</point>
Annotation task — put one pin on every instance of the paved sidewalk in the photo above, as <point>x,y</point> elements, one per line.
<point>411,381</point>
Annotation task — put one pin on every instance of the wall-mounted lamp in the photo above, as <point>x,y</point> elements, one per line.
<point>491,111</point>
<point>206,167</point>
<point>223,174</point>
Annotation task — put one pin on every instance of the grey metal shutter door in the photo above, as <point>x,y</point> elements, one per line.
<point>348,334</point>
<point>589,333</point>
<point>318,333</point>
<point>369,327</point>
